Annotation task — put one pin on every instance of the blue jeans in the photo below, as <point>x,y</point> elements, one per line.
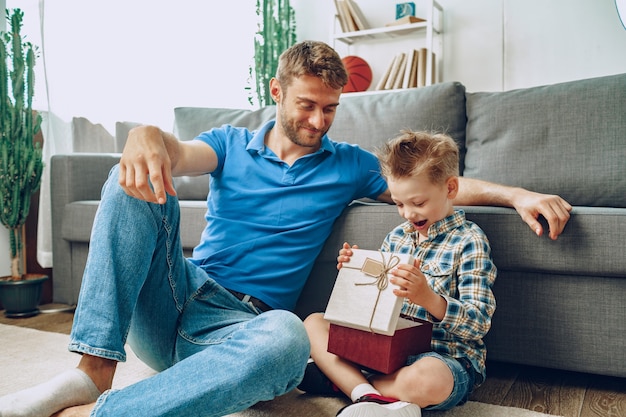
<point>216,355</point>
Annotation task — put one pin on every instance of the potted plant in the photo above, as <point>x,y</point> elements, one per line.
<point>276,31</point>
<point>21,163</point>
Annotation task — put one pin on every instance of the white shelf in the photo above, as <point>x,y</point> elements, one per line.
<point>427,34</point>
<point>387,31</point>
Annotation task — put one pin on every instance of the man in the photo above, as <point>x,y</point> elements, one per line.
<point>218,325</point>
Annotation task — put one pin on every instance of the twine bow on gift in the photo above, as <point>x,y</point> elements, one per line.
<point>379,271</point>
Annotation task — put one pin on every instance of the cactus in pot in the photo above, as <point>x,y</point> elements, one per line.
<point>21,162</point>
<point>276,31</point>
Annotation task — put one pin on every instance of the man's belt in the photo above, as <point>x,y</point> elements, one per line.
<point>260,305</point>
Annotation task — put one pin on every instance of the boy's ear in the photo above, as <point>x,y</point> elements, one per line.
<point>453,187</point>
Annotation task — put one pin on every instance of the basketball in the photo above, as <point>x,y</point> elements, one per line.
<point>359,74</point>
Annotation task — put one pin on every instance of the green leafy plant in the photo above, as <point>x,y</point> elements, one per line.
<point>21,162</point>
<point>276,31</point>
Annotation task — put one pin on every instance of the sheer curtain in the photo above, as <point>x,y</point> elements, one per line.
<point>119,60</point>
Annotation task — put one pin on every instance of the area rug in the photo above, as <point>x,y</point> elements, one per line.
<point>29,356</point>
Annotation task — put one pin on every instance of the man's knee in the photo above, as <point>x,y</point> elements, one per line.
<point>287,332</point>
<point>287,342</point>
<point>282,350</point>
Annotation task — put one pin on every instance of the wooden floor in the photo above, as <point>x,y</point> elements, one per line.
<point>560,393</point>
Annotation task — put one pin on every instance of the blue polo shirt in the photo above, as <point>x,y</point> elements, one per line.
<point>267,221</point>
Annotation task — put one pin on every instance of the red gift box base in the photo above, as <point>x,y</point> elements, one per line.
<point>379,352</point>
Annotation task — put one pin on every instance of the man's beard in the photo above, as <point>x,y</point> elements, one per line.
<point>293,132</point>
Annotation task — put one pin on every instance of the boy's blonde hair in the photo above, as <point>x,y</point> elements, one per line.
<point>311,58</point>
<point>413,153</point>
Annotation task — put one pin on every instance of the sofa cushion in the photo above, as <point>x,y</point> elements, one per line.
<point>371,119</point>
<point>193,188</point>
<point>90,137</point>
<point>565,139</point>
<point>189,122</point>
<point>121,134</point>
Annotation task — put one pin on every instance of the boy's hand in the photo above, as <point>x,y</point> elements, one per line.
<point>344,254</point>
<point>411,280</point>
<point>414,286</point>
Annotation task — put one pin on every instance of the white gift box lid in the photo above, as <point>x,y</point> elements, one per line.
<point>363,297</point>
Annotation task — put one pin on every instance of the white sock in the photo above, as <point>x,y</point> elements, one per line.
<point>358,391</point>
<point>68,389</point>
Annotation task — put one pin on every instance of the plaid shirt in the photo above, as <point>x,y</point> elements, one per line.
<point>456,260</point>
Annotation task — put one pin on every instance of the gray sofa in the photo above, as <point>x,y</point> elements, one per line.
<point>560,303</point>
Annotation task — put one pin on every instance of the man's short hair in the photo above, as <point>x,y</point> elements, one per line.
<point>311,58</point>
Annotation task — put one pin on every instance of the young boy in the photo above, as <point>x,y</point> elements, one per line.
<point>449,285</point>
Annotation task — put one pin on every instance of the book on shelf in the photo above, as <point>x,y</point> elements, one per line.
<point>385,77</point>
<point>413,79</point>
<point>399,81</point>
<point>352,19</point>
<point>409,75</point>
<point>393,74</point>
<point>346,20</point>
<point>340,16</point>
<point>405,21</point>
<point>421,67</point>
<point>407,70</point>
<point>357,15</point>
<point>387,82</point>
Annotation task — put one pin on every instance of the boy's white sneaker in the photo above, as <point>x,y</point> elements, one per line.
<point>372,405</point>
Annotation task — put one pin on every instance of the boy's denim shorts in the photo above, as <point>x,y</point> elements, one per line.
<point>464,378</point>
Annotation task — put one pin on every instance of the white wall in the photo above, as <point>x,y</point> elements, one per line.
<point>119,60</point>
<point>494,45</point>
<point>576,39</point>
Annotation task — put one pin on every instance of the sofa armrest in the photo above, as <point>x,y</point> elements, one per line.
<point>73,177</point>
<point>80,176</point>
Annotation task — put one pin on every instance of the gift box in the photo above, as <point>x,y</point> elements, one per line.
<point>363,297</point>
<point>364,313</point>
<point>380,352</point>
